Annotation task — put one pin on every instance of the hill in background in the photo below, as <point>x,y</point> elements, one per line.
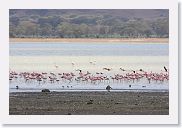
<point>88,23</point>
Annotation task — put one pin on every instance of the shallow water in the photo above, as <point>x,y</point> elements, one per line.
<point>92,57</point>
<point>89,49</point>
<point>142,86</point>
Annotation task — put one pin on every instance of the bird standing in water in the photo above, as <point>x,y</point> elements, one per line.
<point>108,88</point>
<point>165,68</point>
<point>17,87</point>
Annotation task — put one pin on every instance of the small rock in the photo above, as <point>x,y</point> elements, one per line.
<point>152,102</point>
<point>118,103</point>
<point>89,102</point>
<point>45,90</point>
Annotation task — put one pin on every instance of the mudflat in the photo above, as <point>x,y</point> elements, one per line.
<point>89,103</point>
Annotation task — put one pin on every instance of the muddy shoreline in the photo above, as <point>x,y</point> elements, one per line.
<point>89,103</point>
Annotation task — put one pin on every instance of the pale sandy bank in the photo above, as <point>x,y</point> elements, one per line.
<point>104,40</point>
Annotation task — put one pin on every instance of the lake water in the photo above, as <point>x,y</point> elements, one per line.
<point>92,57</point>
<point>88,49</point>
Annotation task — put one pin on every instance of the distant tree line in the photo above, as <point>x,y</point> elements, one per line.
<point>70,25</point>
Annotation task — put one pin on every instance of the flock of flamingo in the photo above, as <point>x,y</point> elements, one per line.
<point>87,77</point>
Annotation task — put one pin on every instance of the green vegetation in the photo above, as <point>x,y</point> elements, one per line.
<point>87,23</point>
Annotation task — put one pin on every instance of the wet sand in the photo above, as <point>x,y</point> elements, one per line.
<point>105,40</point>
<point>89,103</point>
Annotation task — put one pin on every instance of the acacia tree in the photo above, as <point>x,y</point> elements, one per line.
<point>28,28</point>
